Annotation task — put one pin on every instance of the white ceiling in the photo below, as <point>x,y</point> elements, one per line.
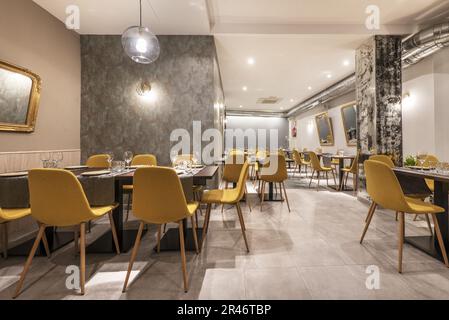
<point>295,43</point>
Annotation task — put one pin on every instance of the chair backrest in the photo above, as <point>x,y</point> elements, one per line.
<point>98,161</point>
<point>233,166</point>
<point>316,165</point>
<point>144,160</point>
<point>355,164</point>
<point>384,159</point>
<point>279,172</point>
<point>383,186</point>
<point>297,157</point>
<point>57,198</point>
<point>158,196</point>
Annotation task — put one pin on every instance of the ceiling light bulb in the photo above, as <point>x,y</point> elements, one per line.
<point>329,76</point>
<point>346,63</point>
<point>291,100</point>
<point>309,88</point>
<point>251,61</point>
<point>141,45</point>
<point>241,106</point>
<point>245,88</point>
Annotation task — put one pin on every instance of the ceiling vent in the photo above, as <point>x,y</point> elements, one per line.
<point>269,100</point>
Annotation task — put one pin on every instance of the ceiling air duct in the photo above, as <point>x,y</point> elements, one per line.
<point>415,48</point>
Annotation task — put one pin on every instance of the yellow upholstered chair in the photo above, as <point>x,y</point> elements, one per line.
<point>318,168</point>
<point>231,172</point>
<point>300,162</point>
<point>138,160</point>
<point>387,160</point>
<point>58,200</point>
<point>430,161</point>
<point>384,159</point>
<point>227,196</point>
<point>98,161</point>
<point>384,189</point>
<point>354,170</point>
<point>278,176</point>
<point>159,199</point>
<point>7,215</point>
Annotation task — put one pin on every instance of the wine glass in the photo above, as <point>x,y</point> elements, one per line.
<point>110,157</point>
<point>128,157</point>
<point>57,157</point>
<point>421,158</point>
<point>45,158</point>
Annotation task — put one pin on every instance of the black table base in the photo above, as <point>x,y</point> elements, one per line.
<point>105,243</point>
<point>56,240</point>
<point>170,240</point>
<point>428,244</point>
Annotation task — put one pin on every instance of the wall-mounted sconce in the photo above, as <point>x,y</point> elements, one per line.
<point>407,100</point>
<point>144,88</point>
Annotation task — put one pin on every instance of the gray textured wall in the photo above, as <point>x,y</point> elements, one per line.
<point>114,117</point>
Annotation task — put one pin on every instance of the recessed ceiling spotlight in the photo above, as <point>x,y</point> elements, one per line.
<point>292,100</point>
<point>282,108</point>
<point>309,88</point>
<point>240,106</point>
<point>329,76</point>
<point>346,63</point>
<point>251,61</point>
<point>245,88</point>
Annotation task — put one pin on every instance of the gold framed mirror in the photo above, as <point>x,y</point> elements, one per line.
<point>19,98</point>
<point>349,118</point>
<point>324,129</point>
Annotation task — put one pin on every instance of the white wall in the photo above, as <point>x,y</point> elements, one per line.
<point>307,135</point>
<point>426,112</point>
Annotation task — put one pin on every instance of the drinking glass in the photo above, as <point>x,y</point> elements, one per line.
<point>45,158</point>
<point>110,157</point>
<point>421,158</point>
<point>57,158</point>
<point>118,166</point>
<point>128,157</point>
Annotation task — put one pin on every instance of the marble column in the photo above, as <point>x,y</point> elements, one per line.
<point>379,98</point>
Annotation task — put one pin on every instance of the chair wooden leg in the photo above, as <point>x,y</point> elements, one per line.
<point>396,216</point>
<point>114,232</point>
<point>183,256</point>
<point>416,217</point>
<point>247,199</point>
<point>165,227</point>
<point>280,192</point>
<point>340,186</point>
<point>368,219</point>
<point>318,177</point>
<point>440,239</point>
<point>327,178</point>
<point>45,242</point>
<point>195,236</point>
<point>82,257</point>
<point>5,240</point>
<point>159,233</point>
<point>401,239</point>
<point>286,197</point>
<point>29,260</point>
<point>133,254</point>
<point>196,218</point>
<point>311,178</point>
<point>335,180</point>
<point>242,224</point>
<point>428,224</point>
<point>262,195</point>
<point>205,225</point>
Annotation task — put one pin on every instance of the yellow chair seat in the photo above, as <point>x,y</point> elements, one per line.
<point>421,207</point>
<point>227,196</point>
<point>335,161</point>
<point>306,163</point>
<point>192,207</point>
<point>326,169</point>
<point>13,214</point>
<point>100,211</point>
<point>128,187</point>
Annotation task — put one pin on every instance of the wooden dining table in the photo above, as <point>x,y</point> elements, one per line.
<point>341,165</point>
<point>429,244</point>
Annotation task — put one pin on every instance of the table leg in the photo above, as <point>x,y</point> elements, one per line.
<point>429,244</point>
<point>126,237</point>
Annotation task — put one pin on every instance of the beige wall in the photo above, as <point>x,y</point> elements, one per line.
<point>32,38</point>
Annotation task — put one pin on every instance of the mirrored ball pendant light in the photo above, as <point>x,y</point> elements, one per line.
<point>140,44</point>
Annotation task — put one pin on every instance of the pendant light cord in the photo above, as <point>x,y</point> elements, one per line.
<point>141,13</point>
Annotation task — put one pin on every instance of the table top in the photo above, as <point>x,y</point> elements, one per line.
<point>426,174</point>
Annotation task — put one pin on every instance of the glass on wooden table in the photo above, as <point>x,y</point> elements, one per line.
<point>110,157</point>
<point>420,159</point>
<point>57,158</point>
<point>118,166</point>
<point>45,158</point>
<point>128,157</point>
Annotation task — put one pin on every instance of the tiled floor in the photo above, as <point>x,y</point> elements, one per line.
<point>312,252</point>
